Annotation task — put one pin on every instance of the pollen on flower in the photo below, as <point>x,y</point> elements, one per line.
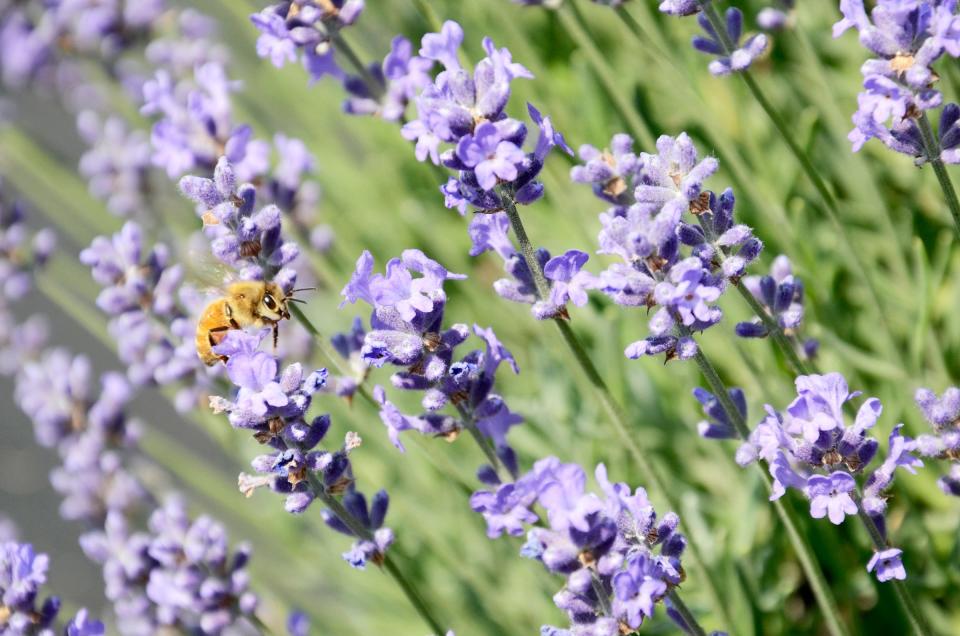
<point>352,441</point>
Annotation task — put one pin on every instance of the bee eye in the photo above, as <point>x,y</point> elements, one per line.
<point>269,302</point>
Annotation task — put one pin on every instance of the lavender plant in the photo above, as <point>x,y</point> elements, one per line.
<point>162,101</point>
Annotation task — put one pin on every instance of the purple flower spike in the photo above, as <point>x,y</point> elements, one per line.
<point>489,155</point>
<point>569,281</point>
<point>734,61</point>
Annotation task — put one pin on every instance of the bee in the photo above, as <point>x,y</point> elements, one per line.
<point>246,303</point>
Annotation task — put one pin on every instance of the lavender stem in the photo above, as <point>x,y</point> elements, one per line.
<point>933,156</point>
<point>803,550</point>
<point>693,627</point>
<point>406,586</point>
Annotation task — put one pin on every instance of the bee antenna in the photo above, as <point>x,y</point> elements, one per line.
<point>296,300</point>
<point>300,289</point>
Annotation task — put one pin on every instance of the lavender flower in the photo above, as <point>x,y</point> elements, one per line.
<point>776,17</point>
<point>22,253</point>
<point>141,289</point>
<point>810,448</point>
<point>468,112</point>
<point>898,84</point>
<point>781,295</point>
<point>179,574</point>
<point>943,414</point>
<point>22,573</point>
<point>116,164</point>
<point>307,28</point>
<point>240,237</point>
<point>729,61</point>
<point>645,228</point>
<point>618,560</point>
<point>273,405</point>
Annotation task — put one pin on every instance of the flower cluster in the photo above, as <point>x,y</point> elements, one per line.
<point>36,37</point>
<point>646,228</point>
<point>88,427</point>
<point>21,252</point>
<point>116,163</point>
<point>248,241</point>
<point>898,86</point>
<point>467,111</point>
<point>943,414</point>
<point>179,573</point>
<point>307,28</point>
<point>781,295</point>
<point>143,295</point>
<point>732,56</point>
<point>618,559</point>
<point>408,332</point>
<point>22,573</point>
<point>809,447</point>
<point>273,405</point>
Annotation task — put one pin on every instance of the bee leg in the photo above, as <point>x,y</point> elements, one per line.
<point>276,334</point>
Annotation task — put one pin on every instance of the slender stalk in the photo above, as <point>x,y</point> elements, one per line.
<point>470,423</point>
<point>917,623</point>
<point>693,627</point>
<point>803,550</point>
<point>395,571</point>
<point>259,624</point>
<point>373,85</point>
<point>930,148</point>
<point>428,14</point>
<point>328,355</point>
<point>613,409</point>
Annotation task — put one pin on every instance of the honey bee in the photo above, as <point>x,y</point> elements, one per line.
<point>247,303</point>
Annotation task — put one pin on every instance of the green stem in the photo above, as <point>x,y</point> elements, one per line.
<point>328,355</point>
<point>259,624</point>
<point>470,423</point>
<point>803,550</point>
<point>428,14</point>
<point>395,571</point>
<point>917,623</point>
<point>930,148</point>
<point>693,627</point>
<point>373,85</point>
<point>613,409</point>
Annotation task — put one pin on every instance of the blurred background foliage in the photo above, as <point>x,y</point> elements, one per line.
<point>594,77</point>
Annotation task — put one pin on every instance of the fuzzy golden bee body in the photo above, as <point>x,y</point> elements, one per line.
<point>249,303</point>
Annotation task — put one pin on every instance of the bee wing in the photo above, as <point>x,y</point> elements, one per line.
<point>204,272</point>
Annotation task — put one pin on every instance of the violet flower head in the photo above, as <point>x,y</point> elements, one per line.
<point>408,303</point>
<point>22,252</point>
<point>776,17</point>
<point>468,113</point>
<point>116,163</point>
<point>811,448</point>
<point>907,40</point>
<point>680,268</point>
<point>618,560</point>
<point>305,28</point>
<point>781,295</point>
<point>732,56</point>
<point>943,414</point>
<point>22,573</point>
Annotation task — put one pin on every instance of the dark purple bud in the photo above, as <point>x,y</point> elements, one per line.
<point>691,234</point>
<point>751,330</point>
<point>783,297</point>
<point>488,475</point>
